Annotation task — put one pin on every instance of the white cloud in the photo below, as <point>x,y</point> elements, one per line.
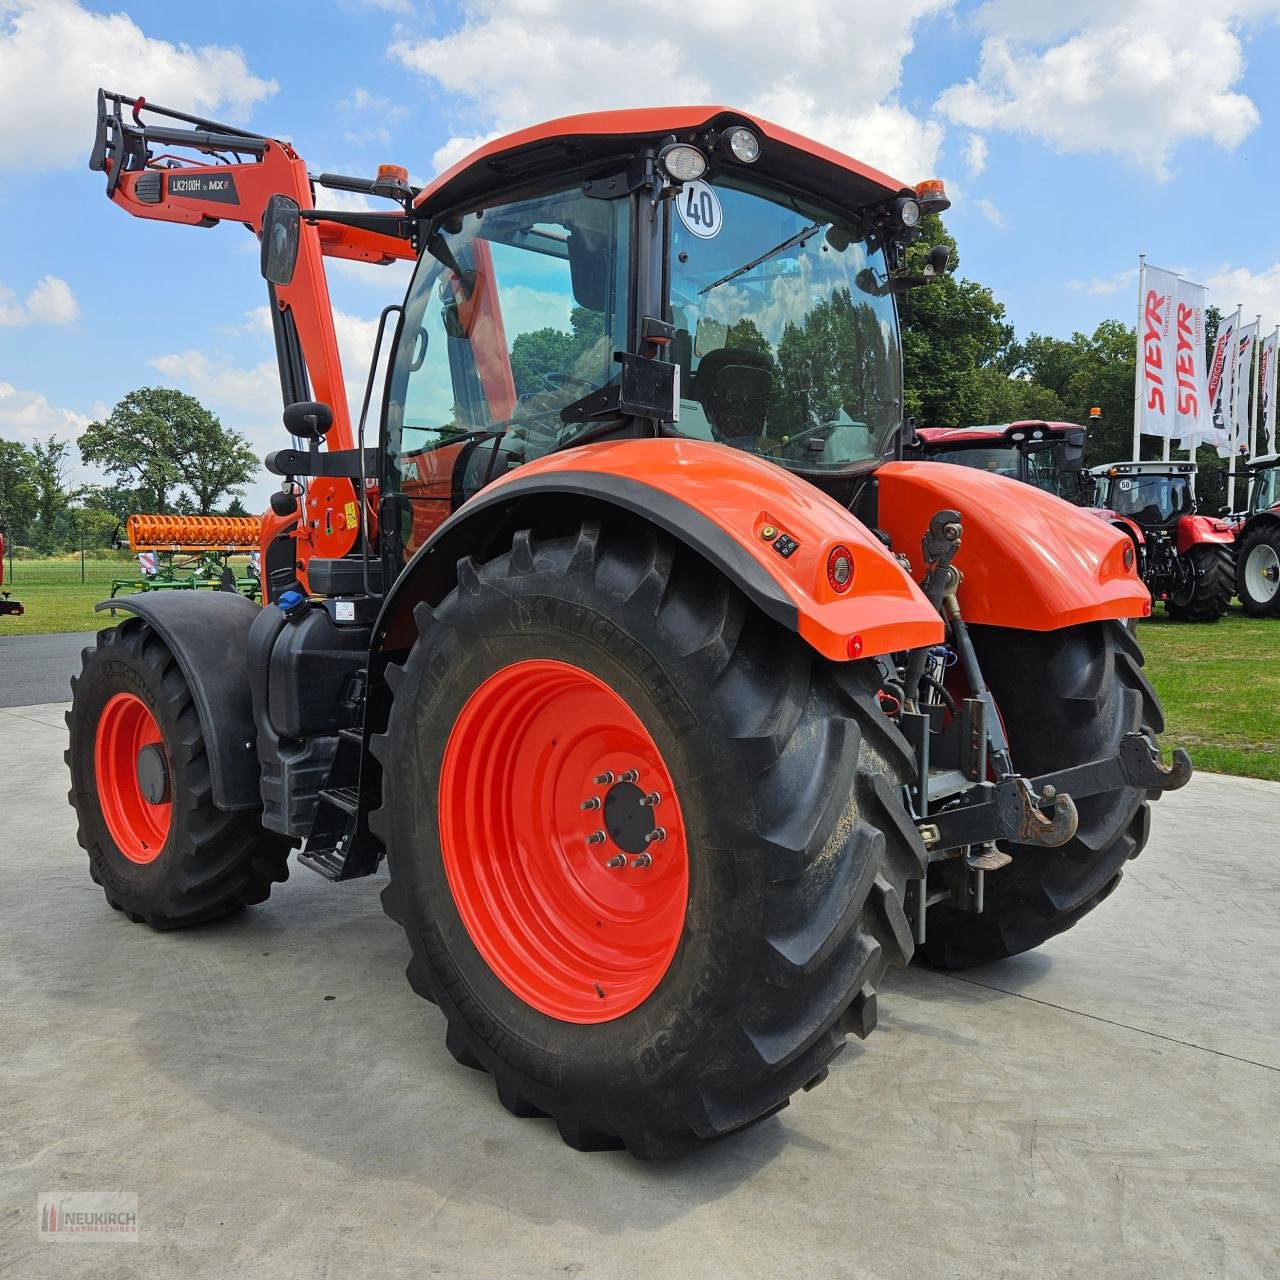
<point>54,54</point>
<point>1105,286</point>
<point>515,62</point>
<point>975,154</point>
<point>989,211</point>
<point>1136,79</point>
<point>50,302</point>
<point>1256,292</point>
<point>28,415</point>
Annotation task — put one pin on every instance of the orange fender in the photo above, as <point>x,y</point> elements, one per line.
<point>1029,559</point>
<point>721,502</point>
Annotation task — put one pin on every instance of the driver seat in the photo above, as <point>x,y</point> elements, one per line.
<point>734,387</point>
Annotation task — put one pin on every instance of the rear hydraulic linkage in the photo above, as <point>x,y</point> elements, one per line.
<point>969,794</point>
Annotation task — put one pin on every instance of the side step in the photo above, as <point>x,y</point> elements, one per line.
<point>339,846</point>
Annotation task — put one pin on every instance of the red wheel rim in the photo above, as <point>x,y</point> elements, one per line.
<point>575,937</point>
<point>138,827</point>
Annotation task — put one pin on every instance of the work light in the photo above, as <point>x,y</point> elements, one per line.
<point>681,162</point>
<point>744,145</point>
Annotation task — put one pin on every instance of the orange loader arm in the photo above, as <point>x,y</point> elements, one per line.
<point>199,173</point>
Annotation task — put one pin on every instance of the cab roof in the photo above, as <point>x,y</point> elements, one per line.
<point>998,431</point>
<point>572,142</point>
<point>1151,468</point>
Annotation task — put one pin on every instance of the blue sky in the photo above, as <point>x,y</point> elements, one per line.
<point>1072,137</point>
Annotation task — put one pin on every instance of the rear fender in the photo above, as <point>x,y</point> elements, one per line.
<point>718,501</point>
<point>1193,530</point>
<point>1029,559</point>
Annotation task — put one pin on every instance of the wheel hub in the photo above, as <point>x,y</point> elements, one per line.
<point>1262,573</point>
<point>133,776</point>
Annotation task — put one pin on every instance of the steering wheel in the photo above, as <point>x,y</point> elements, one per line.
<point>557,381</point>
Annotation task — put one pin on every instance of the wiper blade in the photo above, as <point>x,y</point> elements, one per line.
<point>799,238</point>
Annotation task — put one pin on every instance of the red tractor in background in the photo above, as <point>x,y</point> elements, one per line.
<point>677,704</point>
<point>1186,558</point>
<point>1257,535</point>
<point>1048,455</point>
<point>7,606</point>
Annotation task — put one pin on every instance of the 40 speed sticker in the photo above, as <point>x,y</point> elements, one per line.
<point>699,210</point>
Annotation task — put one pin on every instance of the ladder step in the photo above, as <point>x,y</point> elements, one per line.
<point>345,798</point>
<point>328,862</point>
<point>352,735</point>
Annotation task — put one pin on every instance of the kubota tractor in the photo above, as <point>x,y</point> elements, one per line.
<point>677,705</point>
<point>1048,455</point>
<point>8,606</point>
<point>1258,540</point>
<point>1185,557</point>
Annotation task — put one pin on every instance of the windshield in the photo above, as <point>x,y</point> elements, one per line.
<point>785,347</point>
<point>1000,462</point>
<point>1266,489</point>
<point>1149,499</point>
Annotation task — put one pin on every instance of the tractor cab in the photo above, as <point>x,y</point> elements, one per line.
<point>1264,483</point>
<point>1151,494</point>
<point>1257,535</point>
<point>1048,455</point>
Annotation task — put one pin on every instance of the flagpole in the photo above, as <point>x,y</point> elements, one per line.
<point>1166,444</point>
<point>1256,352</point>
<point>1231,418</point>
<point>1270,429</point>
<point>1137,363</point>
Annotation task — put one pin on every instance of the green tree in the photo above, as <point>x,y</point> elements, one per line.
<point>550,350</point>
<point>18,493</point>
<point>157,440</point>
<point>49,472</point>
<point>952,330</point>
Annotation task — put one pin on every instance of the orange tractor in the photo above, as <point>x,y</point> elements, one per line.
<point>677,704</point>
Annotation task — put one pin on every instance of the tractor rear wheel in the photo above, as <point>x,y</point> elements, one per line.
<point>140,785</point>
<point>1206,591</point>
<point>1065,697</point>
<point>648,848</point>
<point>1258,572</point>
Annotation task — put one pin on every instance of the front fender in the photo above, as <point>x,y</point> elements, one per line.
<point>716,500</point>
<point>1193,530</point>
<point>1029,559</point>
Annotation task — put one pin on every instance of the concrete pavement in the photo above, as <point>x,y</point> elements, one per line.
<point>36,669</point>
<point>283,1106</point>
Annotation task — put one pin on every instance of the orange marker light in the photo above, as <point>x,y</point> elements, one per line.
<point>393,173</point>
<point>931,189</point>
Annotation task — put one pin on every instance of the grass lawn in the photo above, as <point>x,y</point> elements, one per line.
<point>1219,682</point>
<point>1220,686</point>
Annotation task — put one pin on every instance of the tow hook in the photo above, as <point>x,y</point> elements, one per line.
<point>1027,823</point>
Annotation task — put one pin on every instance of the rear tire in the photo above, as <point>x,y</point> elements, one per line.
<point>1066,697</point>
<point>1208,593</point>
<point>798,848</point>
<point>170,865</point>
<point>1258,572</point>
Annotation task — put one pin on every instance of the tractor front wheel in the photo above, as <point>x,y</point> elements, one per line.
<point>1065,697</point>
<point>1206,588</point>
<point>648,848</point>
<point>1258,572</point>
<point>140,785</point>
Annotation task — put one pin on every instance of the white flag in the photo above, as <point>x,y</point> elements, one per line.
<point>1222,382</point>
<point>1244,366</point>
<point>1191,399</point>
<point>1267,387</point>
<point>1156,354</point>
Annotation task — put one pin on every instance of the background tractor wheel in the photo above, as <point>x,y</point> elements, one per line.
<point>1208,589</point>
<point>140,785</point>
<point>1258,572</point>
<point>567,699</point>
<point>1066,697</point>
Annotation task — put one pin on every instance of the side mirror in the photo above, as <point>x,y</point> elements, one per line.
<point>939,256</point>
<point>308,419</point>
<point>281,226</point>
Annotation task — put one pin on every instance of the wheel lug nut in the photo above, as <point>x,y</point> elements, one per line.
<point>651,799</point>
<point>592,802</point>
<point>603,779</point>
<point>631,775</point>
<point>641,860</point>
<point>658,833</point>
<point>596,837</point>
<point>618,860</point>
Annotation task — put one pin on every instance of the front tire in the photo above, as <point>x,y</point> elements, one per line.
<point>1066,697</point>
<point>1207,591</point>
<point>696,1009</point>
<point>1258,572</point>
<point>159,847</point>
